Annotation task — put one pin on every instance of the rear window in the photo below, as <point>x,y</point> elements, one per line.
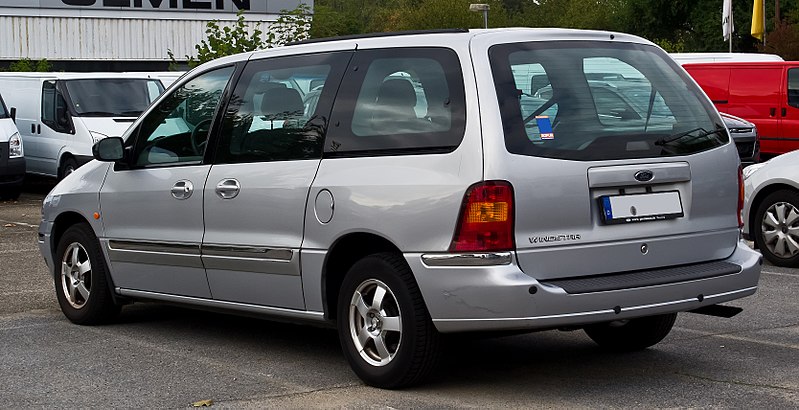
<point>599,101</point>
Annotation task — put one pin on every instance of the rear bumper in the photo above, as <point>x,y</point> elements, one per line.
<point>502,297</point>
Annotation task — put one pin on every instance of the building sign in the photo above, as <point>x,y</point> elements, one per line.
<point>256,6</point>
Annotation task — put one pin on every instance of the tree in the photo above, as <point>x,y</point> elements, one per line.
<point>28,65</point>
<point>292,25</point>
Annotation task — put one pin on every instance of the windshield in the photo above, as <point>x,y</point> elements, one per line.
<point>598,101</point>
<point>3,112</point>
<point>112,97</point>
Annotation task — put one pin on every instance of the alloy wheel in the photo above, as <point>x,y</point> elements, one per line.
<point>76,273</point>
<point>375,322</point>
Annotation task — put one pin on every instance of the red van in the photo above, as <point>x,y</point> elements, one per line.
<point>764,93</point>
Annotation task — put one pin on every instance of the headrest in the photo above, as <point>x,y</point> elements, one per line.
<point>281,100</point>
<point>397,92</point>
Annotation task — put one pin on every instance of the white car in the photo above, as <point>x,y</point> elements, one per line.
<point>771,208</point>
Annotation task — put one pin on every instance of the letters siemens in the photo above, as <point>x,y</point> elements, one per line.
<point>164,4</point>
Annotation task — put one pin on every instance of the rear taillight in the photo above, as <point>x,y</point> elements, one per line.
<point>485,223</point>
<point>740,196</point>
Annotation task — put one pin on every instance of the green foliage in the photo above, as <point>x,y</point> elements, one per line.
<point>28,65</point>
<point>677,25</point>
<point>292,25</point>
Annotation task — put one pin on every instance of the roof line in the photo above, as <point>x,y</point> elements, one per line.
<point>374,35</point>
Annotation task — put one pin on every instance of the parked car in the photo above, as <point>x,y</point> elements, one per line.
<point>771,208</point>
<point>745,136</point>
<point>764,93</point>
<point>480,212</point>
<point>12,155</point>
<point>60,115</point>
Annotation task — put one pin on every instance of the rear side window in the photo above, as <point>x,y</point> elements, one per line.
<point>275,113</point>
<point>793,87</point>
<point>399,100</point>
<point>599,101</point>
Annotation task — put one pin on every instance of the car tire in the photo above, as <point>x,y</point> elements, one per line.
<point>776,228</point>
<point>81,278</point>
<point>68,166</point>
<point>390,341</point>
<point>633,334</point>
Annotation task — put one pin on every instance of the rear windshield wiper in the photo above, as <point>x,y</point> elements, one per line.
<point>690,133</point>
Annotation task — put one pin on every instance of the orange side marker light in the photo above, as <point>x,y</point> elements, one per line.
<point>96,215</point>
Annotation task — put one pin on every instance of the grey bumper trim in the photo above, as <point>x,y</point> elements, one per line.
<point>587,317</point>
<point>468,259</point>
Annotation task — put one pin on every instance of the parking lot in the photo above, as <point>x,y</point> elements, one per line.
<point>168,357</point>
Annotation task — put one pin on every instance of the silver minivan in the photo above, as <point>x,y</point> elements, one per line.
<point>404,186</point>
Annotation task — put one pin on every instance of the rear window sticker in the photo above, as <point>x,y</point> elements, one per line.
<point>545,127</point>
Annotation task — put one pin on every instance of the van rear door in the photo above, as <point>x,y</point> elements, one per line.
<point>619,163</point>
<point>755,96</point>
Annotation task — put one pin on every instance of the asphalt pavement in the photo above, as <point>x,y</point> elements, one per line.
<point>160,356</point>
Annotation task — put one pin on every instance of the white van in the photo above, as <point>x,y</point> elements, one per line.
<point>12,155</point>
<point>166,77</point>
<point>61,115</point>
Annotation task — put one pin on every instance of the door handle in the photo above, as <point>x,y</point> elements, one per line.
<point>182,189</point>
<point>228,188</point>
<point>784,111</point>
<point>33,128</point>
<point>772,112</point>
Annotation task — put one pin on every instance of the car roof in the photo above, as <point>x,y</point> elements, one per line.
<point>430,38</point>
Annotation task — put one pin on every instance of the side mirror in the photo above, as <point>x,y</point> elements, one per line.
<point>109,149</point>
<point>14,114</point>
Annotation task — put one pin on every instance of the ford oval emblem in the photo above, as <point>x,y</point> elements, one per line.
<point>644,175</point>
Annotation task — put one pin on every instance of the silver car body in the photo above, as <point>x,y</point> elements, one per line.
<point>273,249</point>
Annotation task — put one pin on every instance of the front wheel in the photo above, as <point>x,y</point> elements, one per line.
<point>81,281</point>
<point>68,166</point>
<point>633,334</point>
<point>776,228</point>
<point>385,330</point>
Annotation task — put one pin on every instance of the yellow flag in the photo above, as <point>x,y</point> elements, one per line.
<point>758,30</point>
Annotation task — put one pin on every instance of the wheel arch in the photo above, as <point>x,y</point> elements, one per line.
<point>63,156</point>
<point>760,197</point>
<point>342,255</point>
<point>63,222</point>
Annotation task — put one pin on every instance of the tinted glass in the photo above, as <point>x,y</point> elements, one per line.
<point>54,108</point>
<point>112,97</point>
<point>793,87</point>
<point>404,99</point>
<point>3,112</point>
<point>594,101</point>
<point>177,129</point>
<point>274,114</point>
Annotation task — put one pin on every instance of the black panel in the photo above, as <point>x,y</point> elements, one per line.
<point>637,279</point>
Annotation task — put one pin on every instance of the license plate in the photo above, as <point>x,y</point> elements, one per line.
<point>659,206</point>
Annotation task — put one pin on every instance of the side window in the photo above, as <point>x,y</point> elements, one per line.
<point>793,87</point>
<point>54,108</point>
<point>176,131</point>
<point>275,113</point>
<point>400,99</point>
